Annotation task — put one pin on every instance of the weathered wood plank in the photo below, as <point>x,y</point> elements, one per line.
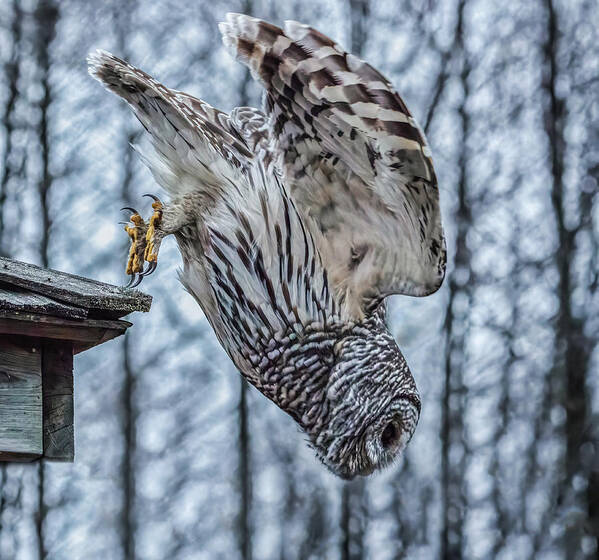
<point>84,333</point>
<point>57,383</point>
<point>7,456</point>
<point>102,300</point>
<point>20,398</point>
<point>18,299</point>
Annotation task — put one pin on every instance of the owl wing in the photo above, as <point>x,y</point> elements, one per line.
<point>353,157</point>
<point>247,126</point>
<point>188,135</point>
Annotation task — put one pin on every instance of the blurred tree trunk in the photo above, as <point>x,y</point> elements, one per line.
<point>354,516</point>
<point>360,22</point>
<point>244,467</point>
<point>402,538</point>
<point>122,17</point>
<point>314,537</point>
<point>11,71</point>
<point>592,496</point>
<point>46,16</point>
<point>289,500</point>
<point>11,502</point>
<point>589,452</point>
<point>504,522</point>
<point>411,525</point>
<point>244,530</point>
<point>11,168</point>
<point>453,448</point>
<point>572,348</point>
<point>129,419</point>
<point>353,508</point>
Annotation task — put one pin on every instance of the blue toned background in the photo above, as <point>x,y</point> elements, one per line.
<point>175,457</point>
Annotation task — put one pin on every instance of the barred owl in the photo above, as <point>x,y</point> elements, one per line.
<point>294,224</point>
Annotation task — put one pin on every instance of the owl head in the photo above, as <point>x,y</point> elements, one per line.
<point>371,405</point>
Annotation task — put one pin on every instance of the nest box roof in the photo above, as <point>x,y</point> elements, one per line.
<point>37,301</point>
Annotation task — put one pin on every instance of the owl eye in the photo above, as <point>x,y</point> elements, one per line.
<point>390,435</point>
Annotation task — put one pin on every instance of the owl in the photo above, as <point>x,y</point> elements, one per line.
<point>294,223</point>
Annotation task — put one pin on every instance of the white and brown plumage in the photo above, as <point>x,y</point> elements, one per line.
<point>294,224</point>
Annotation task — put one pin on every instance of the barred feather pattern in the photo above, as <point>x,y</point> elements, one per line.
<point>294,223</point>
<point>186,133</point>
<point>353,156</point>
<point>266,272</point>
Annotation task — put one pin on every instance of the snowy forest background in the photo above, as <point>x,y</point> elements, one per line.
<point>176,458</point>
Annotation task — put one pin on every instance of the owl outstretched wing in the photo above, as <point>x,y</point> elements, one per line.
<point>188,135</point>
<point>353,157</point>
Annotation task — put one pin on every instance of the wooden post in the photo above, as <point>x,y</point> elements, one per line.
<point>20,398</point>
<point>57,390</point>
<point>36,399</point>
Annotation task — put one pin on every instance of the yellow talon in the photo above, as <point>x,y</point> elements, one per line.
<point>145,241</point>
<point>136,234</point>
<point>149,254</point>
<point>131,232</point>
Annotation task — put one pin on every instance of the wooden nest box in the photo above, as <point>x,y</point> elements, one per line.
<point>46,316</point>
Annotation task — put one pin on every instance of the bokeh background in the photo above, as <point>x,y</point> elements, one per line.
<point>176,457</point>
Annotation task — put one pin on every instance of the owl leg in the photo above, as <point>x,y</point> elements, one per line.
<point>137,236</point>
<point>153,237</point>
<point>146,237</point>
<point>145,242</point>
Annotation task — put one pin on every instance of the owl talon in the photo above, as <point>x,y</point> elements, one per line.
<point>136,234</point>
<point>131,280</point>
<point>152,241</point>
<point>137,282</point>
<point>145,241</point>
<point>149,269</point>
